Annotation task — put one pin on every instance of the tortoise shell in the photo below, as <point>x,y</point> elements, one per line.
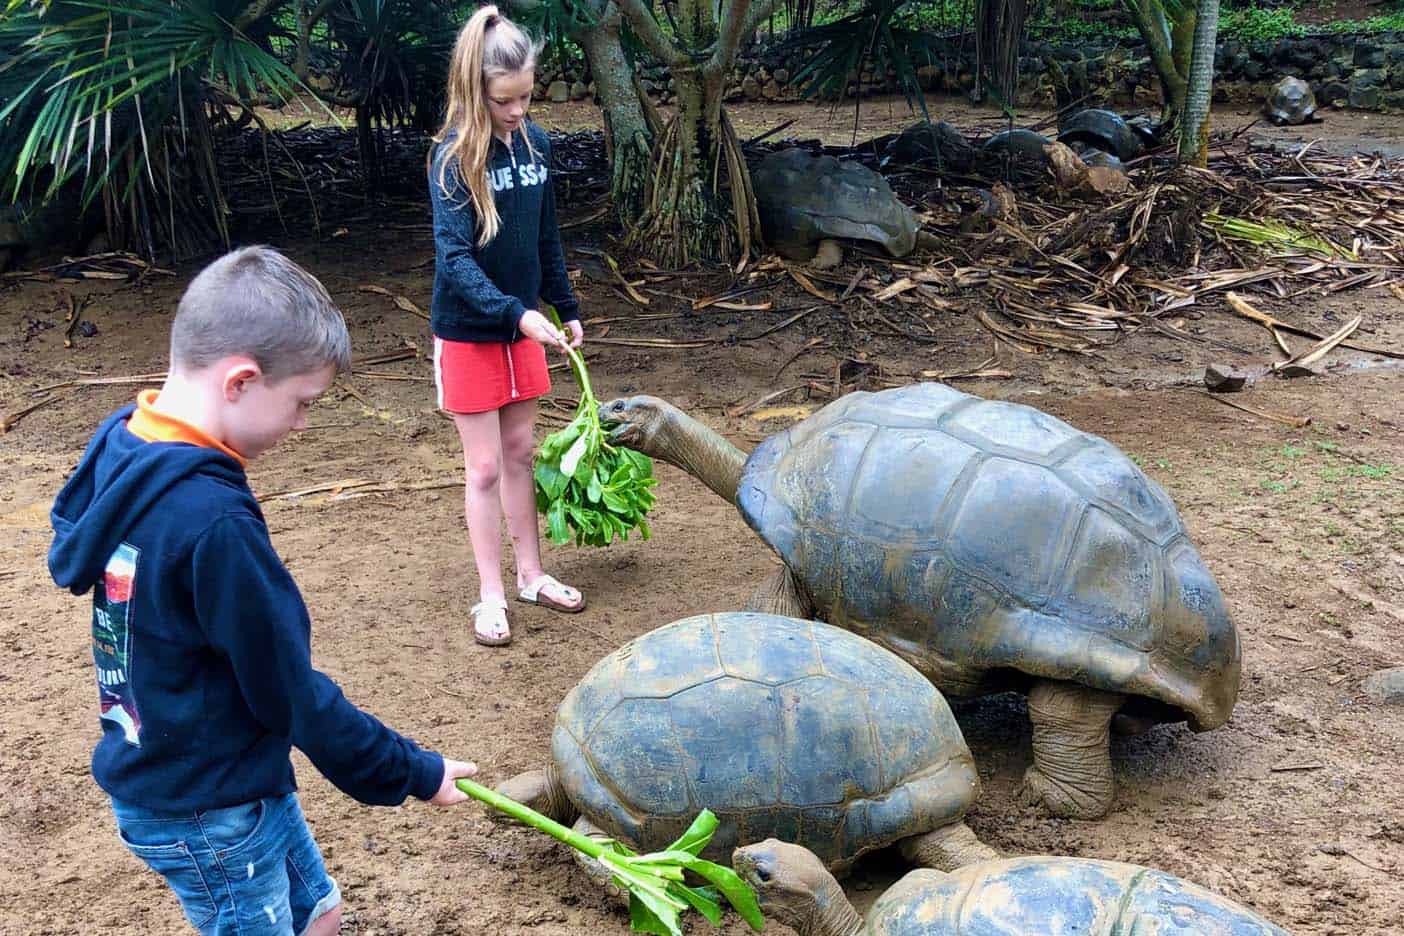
<point>804,199</point>
<point>983,539</point>
<point>1291,101</point>
<point>1057,897</point>
<point>781,727</point>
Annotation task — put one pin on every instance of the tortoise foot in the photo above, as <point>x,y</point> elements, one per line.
<point>1062,800</point>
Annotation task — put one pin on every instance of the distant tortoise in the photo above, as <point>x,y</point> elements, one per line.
<point>991,546</point>
<point>1015,897</point>
<point>780,727</point>
<point>1103,130</point>
<point>1019,154</point>
<point>939,145</point>
<point>804,199</point>
<point>1291,102</point>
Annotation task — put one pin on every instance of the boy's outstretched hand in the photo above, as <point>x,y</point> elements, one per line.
<point>449,794</point>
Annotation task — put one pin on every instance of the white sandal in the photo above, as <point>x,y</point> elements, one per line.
<point>531,594</point>
<point>490,623</point>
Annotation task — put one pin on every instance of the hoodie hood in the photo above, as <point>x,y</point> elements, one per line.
<point>118,479</point>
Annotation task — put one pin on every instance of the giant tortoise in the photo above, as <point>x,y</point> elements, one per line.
<point>990,545</point>
<point>1291,102</point>
<point>804,199</point>
<point>1015,897</point>
<point>780,727</point>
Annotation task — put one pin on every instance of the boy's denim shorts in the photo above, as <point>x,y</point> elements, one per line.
<point>248,869</point>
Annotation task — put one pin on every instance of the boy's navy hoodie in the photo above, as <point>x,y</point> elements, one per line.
<point>481,293</point>
<point>202,641</point>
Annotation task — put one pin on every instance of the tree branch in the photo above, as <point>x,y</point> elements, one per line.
<point>739,19</point>
<point>648,31</point>
<point>1157,41</point>
<point>252,14</point>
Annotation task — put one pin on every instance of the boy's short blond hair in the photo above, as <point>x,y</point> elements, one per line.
<point>257,302</point>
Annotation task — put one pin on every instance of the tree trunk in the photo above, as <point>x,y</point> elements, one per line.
<point>1194,120</point>
<point>627,133</point>
<point>1168,42</point>
<point>700,204</point>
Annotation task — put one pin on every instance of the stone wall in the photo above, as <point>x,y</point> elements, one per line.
<point>1358,71</point>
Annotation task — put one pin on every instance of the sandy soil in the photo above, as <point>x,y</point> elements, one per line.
<point>1292,808</point>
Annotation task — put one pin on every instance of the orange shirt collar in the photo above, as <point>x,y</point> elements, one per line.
<point>152,425</point>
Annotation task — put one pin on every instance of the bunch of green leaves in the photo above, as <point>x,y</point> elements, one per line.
<point>589,490</point>
<point>658,895</point>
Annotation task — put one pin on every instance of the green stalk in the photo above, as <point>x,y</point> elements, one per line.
<point>529,816</point>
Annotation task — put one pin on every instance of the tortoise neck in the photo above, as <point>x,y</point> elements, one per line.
<point>704,454</point>
<point>558,805</point>
<point>833,914</point>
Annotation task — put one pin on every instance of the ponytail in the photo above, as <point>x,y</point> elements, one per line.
<point>489,46</point>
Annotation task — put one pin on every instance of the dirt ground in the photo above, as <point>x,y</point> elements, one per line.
<point>1293,808</point>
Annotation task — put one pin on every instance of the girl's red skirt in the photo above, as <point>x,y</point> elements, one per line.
<point>477,377</point>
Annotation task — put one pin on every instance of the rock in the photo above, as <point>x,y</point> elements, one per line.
<point>590,89</point>
<point>578,91</point>
<point>1368,55</point>
<point>781,75</point>
<point>1392,100</point>
<point>6,254</point>
<point>750,88</point>
<point>559,92</point>
<point>1394,78</point>
<point>829,255</point>
<point>771,91</point>
<point>1365,88</point>
<point>1386,686</point>
<point>1335,92</point>
<point>1222,378</point>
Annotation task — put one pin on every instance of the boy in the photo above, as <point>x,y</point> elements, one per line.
<point>201,639</point>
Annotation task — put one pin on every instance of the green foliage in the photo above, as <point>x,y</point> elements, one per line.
<point>1258,24</point>
<point>589,490</point>
<point>85,86</point>
<point>392,57</point>
<point>655,883</point>
<point>871,38</point>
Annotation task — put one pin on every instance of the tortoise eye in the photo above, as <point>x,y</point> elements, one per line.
<point>763,872</point>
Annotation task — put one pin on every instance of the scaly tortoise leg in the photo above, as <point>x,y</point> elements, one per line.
<point>947,848</point>
<point>1071,773</point>
<point>781,594</point>
<point>596,871</point>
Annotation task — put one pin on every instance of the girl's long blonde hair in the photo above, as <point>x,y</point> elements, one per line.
<point>489,46</point>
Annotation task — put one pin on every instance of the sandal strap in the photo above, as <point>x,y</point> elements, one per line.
<point>544,580</point>
<point>491,613</point>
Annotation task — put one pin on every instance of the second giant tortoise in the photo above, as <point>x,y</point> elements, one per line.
<point>804,199</point>
<point>990,545</point>
<point>1047,896</point>
<point>780,727</point>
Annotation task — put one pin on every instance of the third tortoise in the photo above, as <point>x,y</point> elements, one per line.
<point>990,545</point>
<point>1043,895</point>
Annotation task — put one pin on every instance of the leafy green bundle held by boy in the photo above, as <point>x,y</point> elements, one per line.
<point>201,640</point>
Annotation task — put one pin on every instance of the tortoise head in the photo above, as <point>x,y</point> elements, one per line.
<point>643,423</point>
<point>793,885</point>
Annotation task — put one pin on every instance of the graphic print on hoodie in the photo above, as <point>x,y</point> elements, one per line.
<point>112,642</point>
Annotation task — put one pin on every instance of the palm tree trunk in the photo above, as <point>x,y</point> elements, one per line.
<point>1194,121</point>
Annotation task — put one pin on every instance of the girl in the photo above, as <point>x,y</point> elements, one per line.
<point>497,249</point>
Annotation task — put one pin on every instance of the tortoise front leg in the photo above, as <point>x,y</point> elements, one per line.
<point>947,848</point>
<point>781,594</point>
<point>594,869</point>
<point>1071,773</point>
